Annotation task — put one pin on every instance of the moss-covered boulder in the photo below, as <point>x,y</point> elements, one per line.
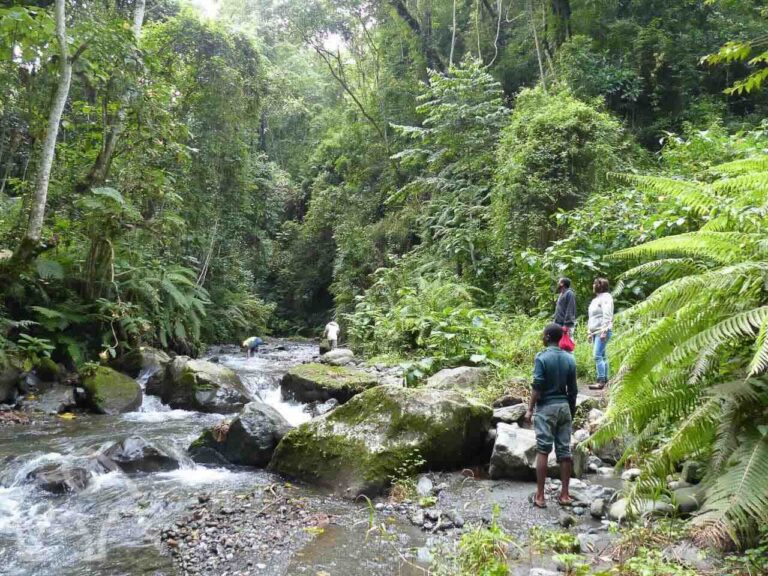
<point>358,447</point>
<point>249,440</point>
<point>320,382</point>
<point>201,386</point>
<point>47,370</point>
<point>110,392</point>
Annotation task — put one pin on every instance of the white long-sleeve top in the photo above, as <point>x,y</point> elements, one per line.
<point>600,314</point>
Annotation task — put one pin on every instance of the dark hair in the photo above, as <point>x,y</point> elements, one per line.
<point>553,332</point>
<point>565,282</point>
<point>601,285</point>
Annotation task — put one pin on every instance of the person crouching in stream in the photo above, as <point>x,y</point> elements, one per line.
<point>251,345</point>
<point>552,407</point>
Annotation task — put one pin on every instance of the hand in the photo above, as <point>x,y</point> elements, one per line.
<point>528,416</point>
<point>603,336</point>
<point>589,338</point>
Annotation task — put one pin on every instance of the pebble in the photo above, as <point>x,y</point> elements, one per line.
<point>566,520</point>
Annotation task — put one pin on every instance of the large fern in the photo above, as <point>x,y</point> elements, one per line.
<point>693,353</point>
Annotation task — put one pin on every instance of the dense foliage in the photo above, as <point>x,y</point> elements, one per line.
<point>423,171</point>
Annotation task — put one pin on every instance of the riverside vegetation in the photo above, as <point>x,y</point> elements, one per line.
<point>424,171</point>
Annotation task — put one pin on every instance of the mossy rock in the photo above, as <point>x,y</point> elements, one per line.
<point>47,370</point>
<point>142,359</point>
<point>201,386</point>
<point>110,392</point>
<point>359,446</point>
<point>320,382</point>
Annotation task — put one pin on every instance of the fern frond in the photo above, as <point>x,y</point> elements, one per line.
<point>719,247</point>
<point>698,196</point>
<point>759,363</point>
<point>743,166</point>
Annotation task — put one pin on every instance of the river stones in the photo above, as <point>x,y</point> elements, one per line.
<point>249,440</point>
<point>110,392</point>
<point>319,382</point>
<point>134,454</point>
<point>463,377</point>
<point>60,479</point>
<point>358,447</point>
<point>57,399</point>
<point>199,385</point>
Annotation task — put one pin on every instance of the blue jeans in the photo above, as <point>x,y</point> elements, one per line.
<point>552,424</point>
<point>601,361</point>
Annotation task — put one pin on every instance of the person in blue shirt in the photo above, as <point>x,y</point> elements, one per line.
<point>552,406</point>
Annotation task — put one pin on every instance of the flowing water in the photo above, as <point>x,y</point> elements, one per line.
<point>111,527</point>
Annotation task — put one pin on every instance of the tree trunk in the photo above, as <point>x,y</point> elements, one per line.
<point>40,198</point>
<point>433,59</point>
<point>100,169</point>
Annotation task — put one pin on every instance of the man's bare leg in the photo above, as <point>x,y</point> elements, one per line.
<point>541,478</point>
<point>565,477</point>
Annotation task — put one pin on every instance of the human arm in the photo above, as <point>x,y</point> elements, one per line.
<point>572,388</point>
<point>607,316</point>
<point>538,383</point>
<point>570,308</point>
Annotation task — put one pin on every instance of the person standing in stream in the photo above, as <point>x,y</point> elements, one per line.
<point>600,328</point>
<point>552,407</point>
<point>565,309</point>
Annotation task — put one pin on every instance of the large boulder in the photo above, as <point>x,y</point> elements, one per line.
<point>60,479</point>
<point>318,383</point>
<point>688,500</point>
<point>134,454</point>
<point>338,357</point>
<point>249,440</point>
<point>57,399</point>
<point>514,455</point>
<point>358,447</point>
<point>142,359</point>
<point>463,377</point>
<point>509,414</point>
<point>47,370</point>
<point>110,392</point>
<point>621,509</point>
<point>9,378</point>
<point>202,386</point>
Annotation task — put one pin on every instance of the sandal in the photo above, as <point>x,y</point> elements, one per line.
<point>565,503</point>
<point>538,505</point>
<point>599,386</point>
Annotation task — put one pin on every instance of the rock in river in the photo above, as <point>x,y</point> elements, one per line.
<point>318,383</point>
<point>9,378</point>
<point>250,439</point>
<point>201,386</point>
<point>134,454</point>
<point>143,358</point>
<point>110,392</point>
<point>60,479</point>
<point>357,447</point>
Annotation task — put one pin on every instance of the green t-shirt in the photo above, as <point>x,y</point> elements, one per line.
<point>554,376</point>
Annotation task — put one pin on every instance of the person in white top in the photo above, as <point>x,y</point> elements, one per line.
<point>331,333</point>
<point>600,329</point>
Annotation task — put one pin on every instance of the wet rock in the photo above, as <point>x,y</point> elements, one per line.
<point>59,398</point>
<point>566,520</point>
<point>580,435</point>
<point>28,382</point>
<point>509,414</point>
<point>620,511</point>
<point>142,359</point>
<point>514,453</point>
<point>597,508</point>
<point>320,383</point>
<point>200,385</point>
<point>249,440</point>
<point>59,478</point>
<point>688,500</point>
<point>463,377</point>
<point>579,510</point>
<point>594,463</point>
<point>9,378</point>
<point>47,370</point>
<point>610,452</point>
<point>631,474</point>
<point>134,454</point>
<point>319,408</point>
<point>606,471</point>
<point>356,448</point>
<point>110,392</point>
<point>542,572</point>
<point>689,555</point>
<point>424,487</point>
<point>692,472</point>
<point>338,357</point>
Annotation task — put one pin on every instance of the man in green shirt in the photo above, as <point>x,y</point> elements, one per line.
<point>554,400</point>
